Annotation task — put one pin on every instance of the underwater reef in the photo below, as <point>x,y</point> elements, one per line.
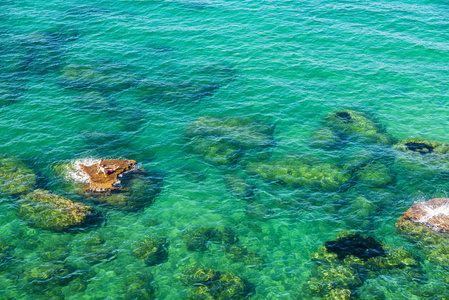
<point>342,266</point>
<point>210,284</point>
<point>45,210</point>
<point>422,155</point>
<point>139,286</point>
<point>300,171</point>
<point>223,141</point>
<point>15,177</point>
<point>152,250</point>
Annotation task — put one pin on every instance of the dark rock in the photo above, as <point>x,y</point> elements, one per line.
<point>152,251</point>
<point>356,245</point>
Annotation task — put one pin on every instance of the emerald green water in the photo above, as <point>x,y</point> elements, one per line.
<point>151,68</point>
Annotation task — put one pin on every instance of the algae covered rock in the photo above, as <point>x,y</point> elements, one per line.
<point>50,274</point>
<point>326,138</point>
<point>138,286</point>
<point>422,155</point>
<point>375,174</point>
<point>215,150</point>
<point>210,284</point>
<point>222,141</point>
<point>240,131</point>
<point>357,124</point>
<point>5,251</point>
<point>45,210</point>
<point>15,176</point>
<point>197,239</point>
<point>152,251</point>
<point>244,255</point>
<point>103,77</point>
<point>297,171</point>
<point>240,187</point>
<point>343,265</point>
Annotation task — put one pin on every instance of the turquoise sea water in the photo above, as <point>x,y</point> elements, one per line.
<point>124,79</point>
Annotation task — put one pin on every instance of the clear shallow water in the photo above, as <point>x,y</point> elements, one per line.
<point>163,64</point>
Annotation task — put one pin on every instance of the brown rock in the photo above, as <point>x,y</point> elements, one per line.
<point>103,176</point>
<point>433,214</point>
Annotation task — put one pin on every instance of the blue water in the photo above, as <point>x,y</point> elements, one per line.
<point>124,79</point>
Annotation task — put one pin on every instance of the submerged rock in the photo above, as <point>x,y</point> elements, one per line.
<point>197,239</point>
<point>15,177</point>
<point>94,254</point>
<point>301,172</point>
<point>222,141</point>
<point>244,255</point>
<point>105,76</point>
<point>138,286</point>
<point>422,155</point>
<point>326,138</point>
<point>354,123</point>
<point>355,245</point>
<point>211,284</point>
<point>50,274</point>
<point>215,151</point>
<point>343,265</point>
<point>375,174</point>
<point>240,131</point>
<point>5,251</point>
<point>103,176</point>
<point>152,251</point>
<point>48,211</point>
<point>239,187</point>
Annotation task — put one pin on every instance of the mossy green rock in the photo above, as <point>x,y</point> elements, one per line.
<point>83,76</point>
<point>326,138</point>
<point>5,251</point>
<point>341,270</point>
<point>215,151</point>
<point>50,274</point>
<point>296,172</point>
<point>244,255</point>
<point>241,131</point>
<point>139,286</point>
<point>152,250</point>
<point>375,174</point>
<point>222,141</point>
<point>48,211</point>
<point>210,284</point>
<point>15,176</point>
<point>358,124</point>
<point>240,187</point>
<point>422,155</point>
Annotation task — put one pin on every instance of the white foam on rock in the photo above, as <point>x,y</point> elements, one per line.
<point>433,212</point>
<point>75,173</point>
